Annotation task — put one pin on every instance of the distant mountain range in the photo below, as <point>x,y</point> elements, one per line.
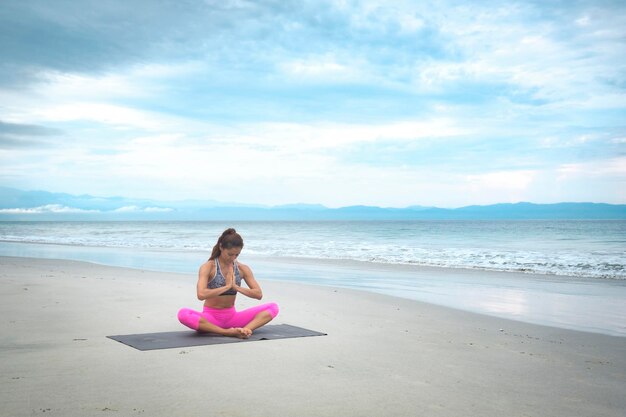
<point>18,205</point>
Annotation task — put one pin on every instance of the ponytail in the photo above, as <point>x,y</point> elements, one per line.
<point>229,239</point>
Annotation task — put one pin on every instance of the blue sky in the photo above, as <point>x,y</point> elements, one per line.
<point>388,103</point>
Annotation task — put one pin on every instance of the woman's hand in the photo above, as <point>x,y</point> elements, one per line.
<point>230,281</point>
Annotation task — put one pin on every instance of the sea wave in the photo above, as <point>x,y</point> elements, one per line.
<point>564,263</point>
<point>568,248</point>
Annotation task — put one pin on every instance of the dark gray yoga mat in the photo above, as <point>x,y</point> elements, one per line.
<point>187,338</point>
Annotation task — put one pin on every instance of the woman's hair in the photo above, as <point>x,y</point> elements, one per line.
<point>229,239</point>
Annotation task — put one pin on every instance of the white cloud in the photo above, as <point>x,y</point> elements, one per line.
<point>48,208</point>
<point>323,67</point>
<point>437,75</point>
<point>72,97</point>
<point>609,168</point>
<point>137,209</point>
<point>247,153</point>
<point>157,209</point>
<point>109,114</point>
<point>141,81</point>
<point>300,137</point>
<point>551,59</point>
<point>165,71</point>
<point>66,86</point>
<point>256,108</point>
<point>58,208</point>
<point>508,186</point>
<point>583,21</point>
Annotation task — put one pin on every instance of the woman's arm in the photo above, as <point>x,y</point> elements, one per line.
<point>203,281</point>
<point>254,289</point>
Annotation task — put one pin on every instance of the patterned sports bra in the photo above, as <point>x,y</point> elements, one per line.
<point>219,280</point>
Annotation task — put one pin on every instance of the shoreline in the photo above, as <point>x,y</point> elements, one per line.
<point>594,305</point>
<point>77,249</point>
<point>383,355</point>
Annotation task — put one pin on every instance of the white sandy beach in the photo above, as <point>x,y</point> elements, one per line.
<point>382,356</point>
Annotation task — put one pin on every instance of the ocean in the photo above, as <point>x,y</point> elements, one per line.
<point>565,273</point>
<point>588,249</point>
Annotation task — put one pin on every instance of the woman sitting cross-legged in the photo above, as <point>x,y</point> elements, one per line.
<point>219,282</point>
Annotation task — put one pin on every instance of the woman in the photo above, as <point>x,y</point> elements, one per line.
<point>219,281</point>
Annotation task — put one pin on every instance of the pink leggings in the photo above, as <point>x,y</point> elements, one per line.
<point>224,317</point>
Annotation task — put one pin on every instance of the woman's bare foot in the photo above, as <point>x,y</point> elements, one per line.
<point>237,332</point>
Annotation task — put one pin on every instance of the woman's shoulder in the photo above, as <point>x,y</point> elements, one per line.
<point>207,266</point>
<point>243,267</point>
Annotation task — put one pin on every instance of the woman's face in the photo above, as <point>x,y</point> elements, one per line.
<point>231,254</point>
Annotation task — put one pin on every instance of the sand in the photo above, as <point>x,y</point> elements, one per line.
<point>383,356</point>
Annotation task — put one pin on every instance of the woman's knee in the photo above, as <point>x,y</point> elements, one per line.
<point>182,314</point>
<point>273,309</point>
<point>189,318</point>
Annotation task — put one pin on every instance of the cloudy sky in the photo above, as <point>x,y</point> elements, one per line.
<point>388,103</point>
